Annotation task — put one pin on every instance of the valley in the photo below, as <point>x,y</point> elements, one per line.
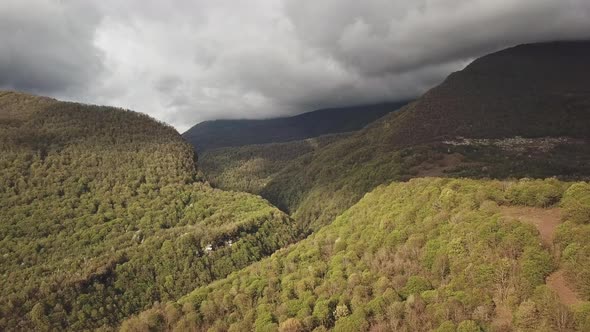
<point>465,210</point>
<point>428,254</point>
<point>502,125</point>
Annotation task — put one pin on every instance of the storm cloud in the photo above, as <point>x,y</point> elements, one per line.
<point>188,61</point>
<point>47,46</point>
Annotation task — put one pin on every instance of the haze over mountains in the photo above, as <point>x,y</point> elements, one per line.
<point>210,135</point>
<point>467,209</point>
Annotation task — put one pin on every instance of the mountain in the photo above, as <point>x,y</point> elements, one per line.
<point>520,112</point>
<point>430,254</point>
<point>466,210</point>
<point>215,134</point>
<point>250,168</point>
<point>395,247</point>
<point>532,90</point>
<point>104,213</point>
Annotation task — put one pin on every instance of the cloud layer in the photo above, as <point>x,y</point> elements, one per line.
<point>188,61</point>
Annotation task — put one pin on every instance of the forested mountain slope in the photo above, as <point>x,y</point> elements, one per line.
<point>215,134</point>
<point>531,90</point>
<point>103,213</point>
<point>250,168</point>
<point>521,112</point>
<point>430,254</point>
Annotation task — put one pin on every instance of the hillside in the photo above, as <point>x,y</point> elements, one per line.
<point>425,255</point>
<point>252,167</point>
<point>532,90</point>
<point>104,213</point>
<point>215,134</point>
<point>520,112</point>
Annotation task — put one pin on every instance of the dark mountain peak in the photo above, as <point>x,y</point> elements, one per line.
<point>459,128</point>
<point>531,90</point>
<point>552,65</point>
<point>552,49</point>
<point>214,134</point>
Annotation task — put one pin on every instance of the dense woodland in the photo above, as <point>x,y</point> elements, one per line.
<point>297,180</point>
<point>250,168</point>
<point>103,213</point>
<point>425,255</point>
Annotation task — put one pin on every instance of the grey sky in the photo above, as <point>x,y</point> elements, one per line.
<point>188,61</point>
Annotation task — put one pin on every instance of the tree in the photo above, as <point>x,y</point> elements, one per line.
<point>576,203</point>
<point>446,326</point>
<point>527,316</point>
<point>323,313</point>
<point>536,265</point>
<point>264,319</point>
<point>291,325</point>
<point>39,318</point>
<point>341,311</point>
<point>416,285</point>
<point>352,323</point>
<point>468,326</point>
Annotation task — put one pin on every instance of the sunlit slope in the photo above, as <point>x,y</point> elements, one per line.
<point>103,214</point>
<point>425,255</point>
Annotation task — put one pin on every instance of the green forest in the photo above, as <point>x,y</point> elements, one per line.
<point>104,213</point>
<point>424,255</point>
<point>294,176</point>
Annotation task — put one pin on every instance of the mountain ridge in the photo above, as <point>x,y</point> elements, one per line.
<point>214,134</point>
<point>519,91</point>
<point>487,100</point>
<point>338,277</point>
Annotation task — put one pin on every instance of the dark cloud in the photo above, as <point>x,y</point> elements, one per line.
<point>47,46</point>
<point>376,37</point>
<point>188,61</point>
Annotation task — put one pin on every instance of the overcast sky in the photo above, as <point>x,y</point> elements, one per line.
<point>183,62</point>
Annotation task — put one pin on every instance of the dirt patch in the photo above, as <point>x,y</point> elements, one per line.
<point>439,167</point>
<point>545,220</point>
<point>556,281</point>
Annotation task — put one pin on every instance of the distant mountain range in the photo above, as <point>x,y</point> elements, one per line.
<point>215,134</point>
<point>537,91</point>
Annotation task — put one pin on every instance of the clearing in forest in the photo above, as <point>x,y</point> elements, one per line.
<point>546,222</point>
